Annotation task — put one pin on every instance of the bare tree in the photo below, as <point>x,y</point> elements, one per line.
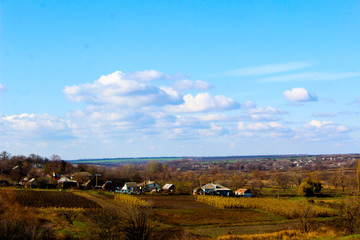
<point>138,223</point>
<point>351,215</point>
<point>106,223</point>
<point>306,218</point>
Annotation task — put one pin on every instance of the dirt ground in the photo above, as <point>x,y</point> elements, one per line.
<point>183,212</point>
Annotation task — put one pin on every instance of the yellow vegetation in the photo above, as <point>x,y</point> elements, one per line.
<point>130,200</point>
<point>285,208</point>
<point>284,235</point>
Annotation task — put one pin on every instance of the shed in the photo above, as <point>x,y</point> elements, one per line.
<point>169,188</point>
<point>243,192</point>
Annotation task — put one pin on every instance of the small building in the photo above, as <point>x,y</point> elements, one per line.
<point>198,191</point>
<point>244,192</point>
<point>169,188</point>
<point>130,187</point>
<point>66,182</point>
<point>149,186</point>
<point>216,189</point>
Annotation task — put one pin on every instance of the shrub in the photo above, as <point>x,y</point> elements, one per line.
<point>309,188</point>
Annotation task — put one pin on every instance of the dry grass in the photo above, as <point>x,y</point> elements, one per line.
<point>285,235</point>
<point>288,209</point>
<point>130,200</point>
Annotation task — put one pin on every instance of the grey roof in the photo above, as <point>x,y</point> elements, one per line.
<point>65,179</point>
<point>131,184</point>
<point>215,187</point>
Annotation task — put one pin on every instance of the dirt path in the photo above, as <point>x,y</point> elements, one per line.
<point>102,201</point>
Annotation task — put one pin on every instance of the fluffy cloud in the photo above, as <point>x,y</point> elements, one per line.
<point>317,125</point>
<point>122,89</point>
<point>146,75</point>
<point>269,129</point>
<point>2,88</point>
<point>188,84</point>
<point>204,102</point>
<point>39,124</point>
<point>323,130</point>
<point>299,95</point>
<point>271,126</point>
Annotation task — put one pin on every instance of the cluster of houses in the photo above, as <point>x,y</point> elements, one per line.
<point>83,179</point>
<point>208,189</point>
<point>78,179</point>
<point>146,186</point>
<point>220,190</point>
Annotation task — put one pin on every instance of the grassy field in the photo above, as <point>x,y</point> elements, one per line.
<point>181,212</point>
<point>173,215</point>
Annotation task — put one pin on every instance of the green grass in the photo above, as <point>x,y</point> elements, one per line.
<point>357,236</point>
<point>80,224</point>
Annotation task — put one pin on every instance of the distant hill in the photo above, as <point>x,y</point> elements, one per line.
<point>117,161</point>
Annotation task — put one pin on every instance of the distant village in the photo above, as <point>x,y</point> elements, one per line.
<point>225,176</point>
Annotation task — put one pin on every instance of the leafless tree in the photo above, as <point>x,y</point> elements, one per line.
<point>306,218</point>
<point>138,223</point>
<point>351,215</point>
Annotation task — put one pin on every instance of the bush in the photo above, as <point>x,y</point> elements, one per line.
<point>19,223</point>
<point>309,188</point>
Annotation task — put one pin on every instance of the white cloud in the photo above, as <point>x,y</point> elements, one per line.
<point>42,145</point>
<point>35,125</point>
<point>188,84</point>
<point>248,105</point>
<point>311,76</point>
<point>271,126</point>
<point>299,95</point>
<point>2,88</point>
<point>265,70</point>
<point>146,75</point>
<point>260,114</point>
<point>213,130</point>
<point>204,102</point>
<point>116,89</point>
<point>314,124</point>
<point>322,130</point>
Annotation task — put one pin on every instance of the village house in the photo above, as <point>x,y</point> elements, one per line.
<point>198,191</point>
<point>149,186</point>
<point>130,187</point>
<point>169,188</point>
<point>216,189</point>
<point>65,182</point>
<point>243,192</point>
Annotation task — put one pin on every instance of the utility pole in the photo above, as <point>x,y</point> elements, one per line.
<point>96,180</point>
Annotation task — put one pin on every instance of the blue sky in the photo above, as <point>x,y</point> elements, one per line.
<point>93,79</point>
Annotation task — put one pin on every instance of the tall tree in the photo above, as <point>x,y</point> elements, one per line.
<point>358,174</point>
